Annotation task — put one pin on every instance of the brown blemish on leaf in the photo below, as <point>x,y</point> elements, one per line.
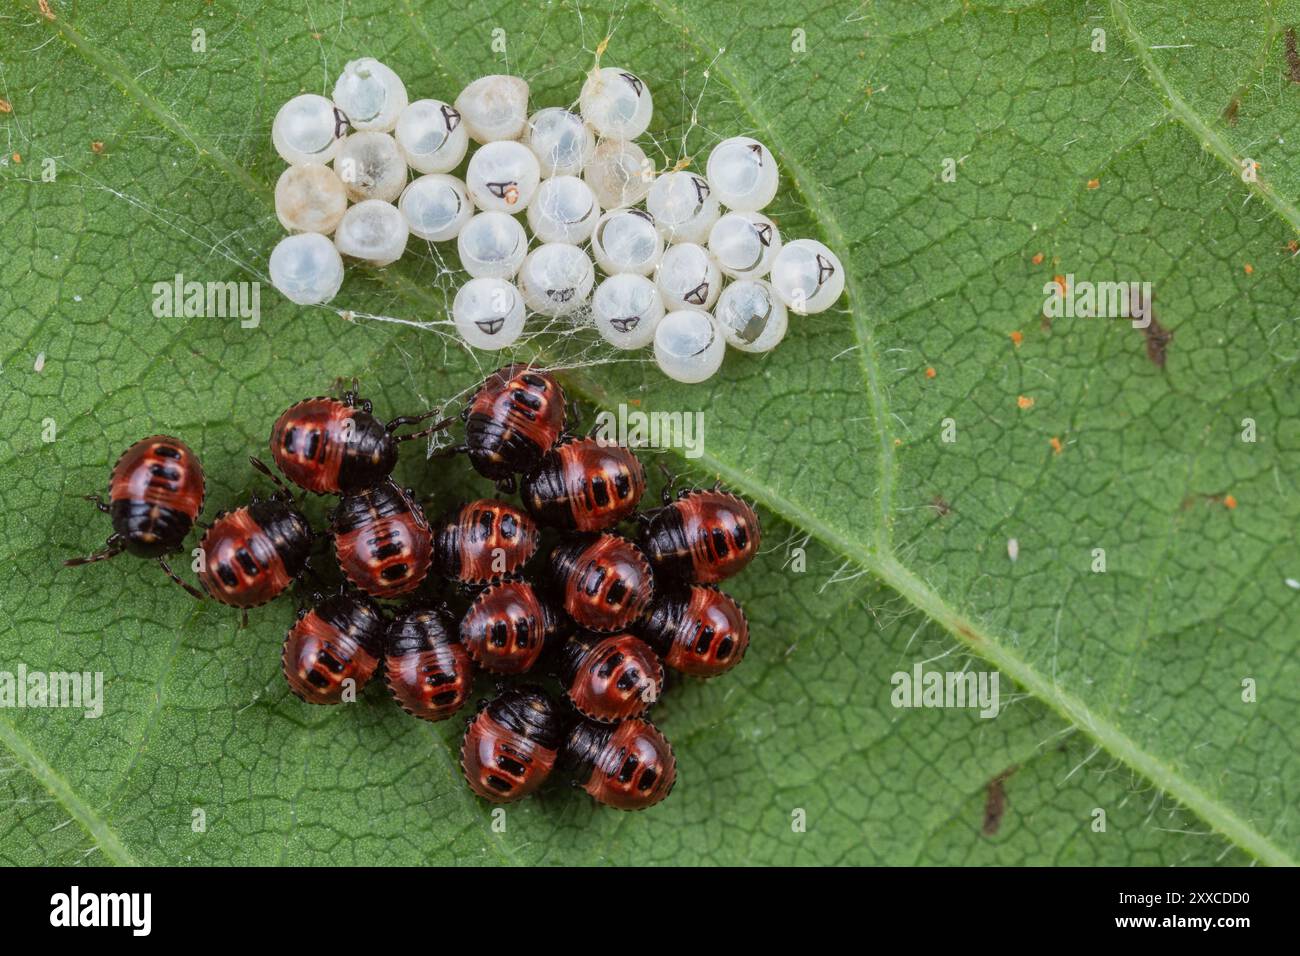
<point>1292,57</point>
<point>1230,111</point>
<point>1158,339</point>
<point>1094,183</point>
<point>941,506</point>
<point>97,147</point>
<point>5,106</point>
<point>46,12</point>
<point>1157,336</point>
<point>964,630</point>
<point>995,803</point>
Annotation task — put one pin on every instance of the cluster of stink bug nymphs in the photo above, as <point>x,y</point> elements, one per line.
<point>551,588</point>
<point>677,271</point>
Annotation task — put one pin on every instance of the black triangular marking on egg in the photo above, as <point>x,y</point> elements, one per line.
<point>561,295</point>
<point>500,189</point>
<point>764,234</point>
<point>625,325</point>
<point>824,269</point>
<point>701,190</point>
<point>341,122</point>
<point>490,326</point>
<point>757,150</point>
<point>451,117</point>
<point>636,83</point>
<point>699,295</point>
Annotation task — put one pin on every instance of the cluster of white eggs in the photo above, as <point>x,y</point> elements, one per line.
<point>580,180</point>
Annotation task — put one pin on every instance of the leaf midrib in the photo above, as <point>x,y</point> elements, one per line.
<point>88,817</point>
<point>880,560</point>
<point>1211,139</point>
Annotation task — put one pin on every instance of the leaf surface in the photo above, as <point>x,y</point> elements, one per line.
<point>1122,690</point>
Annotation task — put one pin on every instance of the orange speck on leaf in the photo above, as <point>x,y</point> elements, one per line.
<point>5,106</point>
<point>897,442</point>
<point>1038,259</point>
<point>18,157</point>
<point>46,12</point>
<point>1016,338</point>
<point>930,372</point>
<point>1024,401</point>
<point>1293,246</point>
<point>1229,502</point>
<point>1056,444</point>
<point>97,147</point>
<point>1250,270</point>
<point>1094,183</point>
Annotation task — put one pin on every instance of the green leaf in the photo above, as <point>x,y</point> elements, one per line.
<point>1122,691</point>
